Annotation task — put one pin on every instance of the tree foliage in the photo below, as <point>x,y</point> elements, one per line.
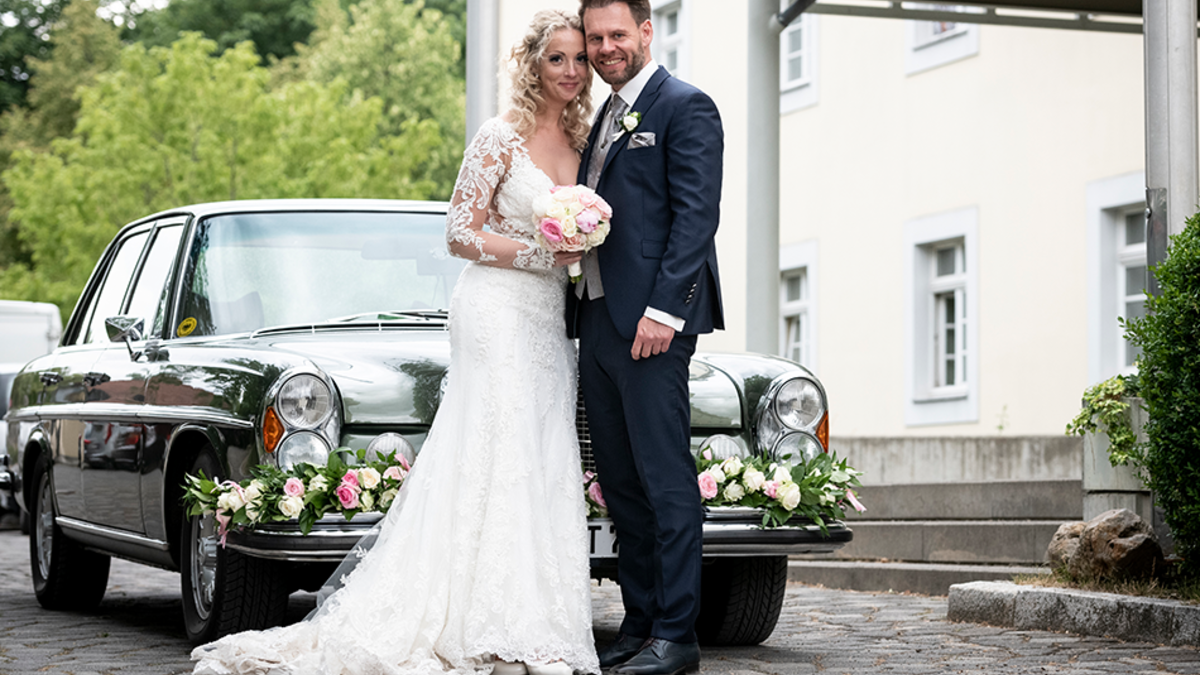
<point>1169,373</point>
<point>178,125</point>
<point>27,37</point>
<point>274,26</point>
<point>403,52</point>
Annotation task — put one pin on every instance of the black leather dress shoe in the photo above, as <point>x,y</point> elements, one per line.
<point>620,651</point>
<point>662,657</point>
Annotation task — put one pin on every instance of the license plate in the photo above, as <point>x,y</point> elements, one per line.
<point>602,535</point>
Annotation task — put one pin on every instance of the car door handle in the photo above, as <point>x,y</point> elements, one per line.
<point>51,378</point>
<point>93,379</point>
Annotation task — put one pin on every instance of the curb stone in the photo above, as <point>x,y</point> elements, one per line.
<point>1002,603</point>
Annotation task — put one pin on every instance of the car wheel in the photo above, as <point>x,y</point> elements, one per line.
<point>224,591</point>
<point>65,575</point>
<point>740,599</point>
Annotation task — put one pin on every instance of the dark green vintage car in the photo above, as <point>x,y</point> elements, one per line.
<point>223,336</point>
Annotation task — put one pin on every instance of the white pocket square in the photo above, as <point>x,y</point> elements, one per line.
<point>641,139</point>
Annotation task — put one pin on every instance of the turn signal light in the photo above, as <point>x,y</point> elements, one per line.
<point>823,431</point>
<point>272,430</point>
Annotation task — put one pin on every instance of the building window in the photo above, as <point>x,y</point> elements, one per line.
<point>798,64</point>
<point>941,319</point>
<point>948,289</point>
<point>930,44</point>
<point>670,37</point>
<point>797,303</point>
<point>1116,264</point>
<point>1131,278</point>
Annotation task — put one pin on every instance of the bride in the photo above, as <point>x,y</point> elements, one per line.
<point>482,561</point>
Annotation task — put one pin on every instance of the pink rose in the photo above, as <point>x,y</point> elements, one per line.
<point>708,485</point>
<point>347,495</point>
<point>566,195</point>
<point>596,495</point>
<point>587,220</point>
<point>404,462</point>
<point>294,487</point>
<point>394,472</point>
<point>770,487</point>
<point>588,476</point>
<point>707,454</point>
<point>351,478</point>
<point>604,208</point>
<point>551,229</point>
<point>574,243</point>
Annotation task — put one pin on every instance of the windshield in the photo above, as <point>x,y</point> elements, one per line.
<point>254,270</point>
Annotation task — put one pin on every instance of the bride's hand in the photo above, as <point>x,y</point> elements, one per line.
<point>563,258</point>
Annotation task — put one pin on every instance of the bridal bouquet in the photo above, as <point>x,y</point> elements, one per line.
<point>305,493</point>
<point>571,218</point>
<point>817,489</point>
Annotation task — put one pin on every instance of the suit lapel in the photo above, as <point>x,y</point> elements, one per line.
<point>643,103</point>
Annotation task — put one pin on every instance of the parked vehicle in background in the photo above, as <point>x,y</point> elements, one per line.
<point>28,330</point>
<point>221,337</point>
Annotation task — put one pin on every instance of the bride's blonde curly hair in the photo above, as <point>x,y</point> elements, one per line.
<point>526,61</point>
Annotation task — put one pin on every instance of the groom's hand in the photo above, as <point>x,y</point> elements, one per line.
<point>652,338</point>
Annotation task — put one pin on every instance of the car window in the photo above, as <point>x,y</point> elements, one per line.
<point>6,380</point>
<point>108,301</point>
<point>250,271</point>
<point>151,284</point>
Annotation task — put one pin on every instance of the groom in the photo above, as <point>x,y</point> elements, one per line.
<point>655,155</point>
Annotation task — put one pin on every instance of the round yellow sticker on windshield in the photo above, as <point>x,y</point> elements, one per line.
<point>186,327</point>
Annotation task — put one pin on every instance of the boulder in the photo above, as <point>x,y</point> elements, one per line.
<point>1064,544</point>
<point>1116,544</point>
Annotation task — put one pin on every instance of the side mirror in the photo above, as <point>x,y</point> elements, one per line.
<point>127,329</point>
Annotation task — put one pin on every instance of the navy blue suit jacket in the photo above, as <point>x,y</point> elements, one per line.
<point>666,199</point>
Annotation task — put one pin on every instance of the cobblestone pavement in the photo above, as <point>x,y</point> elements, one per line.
<point>138,629</point>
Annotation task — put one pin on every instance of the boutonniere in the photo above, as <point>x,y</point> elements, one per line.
<point>628,123</point>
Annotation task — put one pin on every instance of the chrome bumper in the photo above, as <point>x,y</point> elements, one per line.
<point>727,532</point>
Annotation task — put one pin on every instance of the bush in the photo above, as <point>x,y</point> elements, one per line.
<point>1169,369</point>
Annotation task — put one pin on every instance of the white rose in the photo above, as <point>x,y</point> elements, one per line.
<point>318,483</point>
<point>716,473</point>
<point>782,475</point>
<point>556,210</point>
<point>385,500</point>
<point>368,478</point>
<point>732,466</point>
<point>291,506</point>
<point>252,513</point>
<point>254,490</point>
<point>569,227</point>
<point>596,237</point>
<point>754,479</point>
<point>734,492</point>
<point>629,122</point>
<point>788,495</point>
<point>230,501</point>
<point>366,501</point>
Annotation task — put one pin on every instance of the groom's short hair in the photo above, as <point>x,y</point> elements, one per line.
<point>639,9</point>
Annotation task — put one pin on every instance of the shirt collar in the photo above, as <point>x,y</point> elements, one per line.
<point>633,88</point>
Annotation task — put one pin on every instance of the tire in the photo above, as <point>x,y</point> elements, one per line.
<point>740,600</point>
<point>224,591</point>
<point>65,575</point>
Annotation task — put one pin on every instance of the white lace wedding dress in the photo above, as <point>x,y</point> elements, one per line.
<point>485,552</point>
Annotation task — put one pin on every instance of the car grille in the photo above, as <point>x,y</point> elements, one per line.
<point>585,437</point>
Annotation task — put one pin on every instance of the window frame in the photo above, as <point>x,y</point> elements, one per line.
<point>804,92</point>
<point>679,40</point>
<point>797,259</point>
<point>1108,201</point>
<point>927,402</point>
<point>926,52</point>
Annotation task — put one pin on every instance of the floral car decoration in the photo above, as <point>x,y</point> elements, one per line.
<point>815,490</point>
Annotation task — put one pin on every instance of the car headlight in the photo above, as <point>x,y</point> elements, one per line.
<point>723,447</point>
<point>793,403</point>
<point>304,401</point>
<point>385,444</point>
<point>796,447</point>
<point>303,447</point>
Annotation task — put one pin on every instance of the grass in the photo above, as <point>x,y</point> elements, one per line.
<point>1168,587</point>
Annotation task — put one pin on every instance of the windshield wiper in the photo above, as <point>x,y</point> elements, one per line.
<point>423,314</point>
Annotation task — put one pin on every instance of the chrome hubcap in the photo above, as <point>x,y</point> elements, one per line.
<point>204,563</point>
<point>43,525</point>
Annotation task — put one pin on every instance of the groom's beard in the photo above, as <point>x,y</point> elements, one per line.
<point>636,61</point>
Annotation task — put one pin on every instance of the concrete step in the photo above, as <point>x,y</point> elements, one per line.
<point>1004,500</point>
<point>926,578</point>
<point>1008,542</point>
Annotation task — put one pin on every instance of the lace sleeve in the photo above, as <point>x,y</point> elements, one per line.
<point>485,163</point>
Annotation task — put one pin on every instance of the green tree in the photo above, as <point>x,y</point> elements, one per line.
<point>176,126</point>
<point>404,53</point>
<point>84,46</point>
<point>24,33</point>
<point>274,26</point>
